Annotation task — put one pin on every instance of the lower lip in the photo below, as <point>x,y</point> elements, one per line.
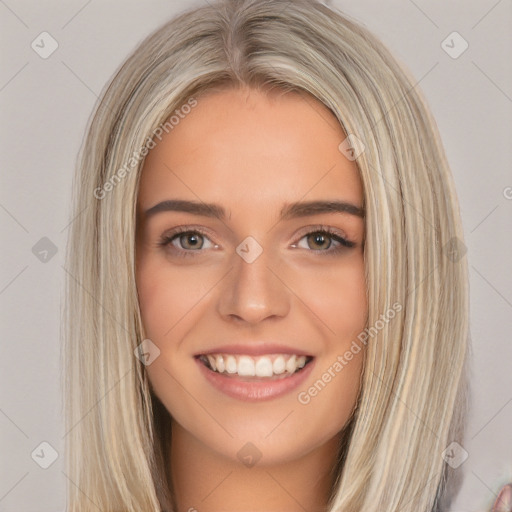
<point>255,391</point>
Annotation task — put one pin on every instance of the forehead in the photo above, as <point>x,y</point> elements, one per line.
<point>248,148</point>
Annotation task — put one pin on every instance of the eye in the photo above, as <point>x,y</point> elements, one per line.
<point>184,241</point>
<point>324,240</point>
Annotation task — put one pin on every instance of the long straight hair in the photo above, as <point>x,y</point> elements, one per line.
<point>413,399</point>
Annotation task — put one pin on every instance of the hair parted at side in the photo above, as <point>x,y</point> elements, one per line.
<point>413,397</point>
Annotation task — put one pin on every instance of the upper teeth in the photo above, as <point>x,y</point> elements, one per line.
<point>260,366</point>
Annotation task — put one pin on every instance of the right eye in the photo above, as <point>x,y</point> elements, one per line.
<point>184,242</point>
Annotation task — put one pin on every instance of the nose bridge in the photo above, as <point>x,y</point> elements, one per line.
<point>254,291</point>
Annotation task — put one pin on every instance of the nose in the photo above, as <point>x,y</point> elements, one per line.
<point>254,291</point>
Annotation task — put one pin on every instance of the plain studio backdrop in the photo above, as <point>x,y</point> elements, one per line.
<point>45,104</point>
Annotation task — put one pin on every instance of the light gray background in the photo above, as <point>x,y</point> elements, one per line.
<point>45,104</point>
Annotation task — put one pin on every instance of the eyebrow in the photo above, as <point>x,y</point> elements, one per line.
<point>289,211</point>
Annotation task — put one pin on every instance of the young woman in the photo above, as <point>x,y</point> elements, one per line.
<point>267,294</point>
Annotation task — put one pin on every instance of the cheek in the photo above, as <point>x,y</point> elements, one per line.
<point>157,301</point>
<point>331,404</point>
<point>336,293</point>
<point>166,295</point>
<point>346,304</point>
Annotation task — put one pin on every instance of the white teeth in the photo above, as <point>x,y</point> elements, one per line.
<point>246,367</point>
<point>264,367</point>
<point>279,365</point>
<point>231,364</point>
<point>211,360</point>
<point>290,365</point>
<point>258,366</point>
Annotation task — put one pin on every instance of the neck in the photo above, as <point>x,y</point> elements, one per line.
<point>204,481</point>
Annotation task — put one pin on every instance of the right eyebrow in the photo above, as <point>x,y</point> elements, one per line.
<point>195,207</point>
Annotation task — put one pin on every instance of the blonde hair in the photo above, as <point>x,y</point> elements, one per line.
<point>413,398</point>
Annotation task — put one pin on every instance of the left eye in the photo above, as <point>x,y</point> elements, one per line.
<point>323,240</point>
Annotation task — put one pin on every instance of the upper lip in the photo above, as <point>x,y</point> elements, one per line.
<point>254,349</point>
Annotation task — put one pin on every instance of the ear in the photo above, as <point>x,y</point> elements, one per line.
<point>503,502</point>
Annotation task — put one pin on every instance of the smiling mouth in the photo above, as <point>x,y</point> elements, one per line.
<point>267,367</point>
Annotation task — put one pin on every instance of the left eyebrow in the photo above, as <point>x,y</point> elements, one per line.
<point>303,209</point>
<point>289,210</point>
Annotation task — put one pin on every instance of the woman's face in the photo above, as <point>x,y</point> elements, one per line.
<point>253,281</point>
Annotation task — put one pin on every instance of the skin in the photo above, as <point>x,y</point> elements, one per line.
<point>252,152</point>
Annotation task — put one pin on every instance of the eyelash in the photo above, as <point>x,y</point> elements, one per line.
<point>167,239</point>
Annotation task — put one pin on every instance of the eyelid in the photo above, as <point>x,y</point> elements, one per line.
<point>322,227</point>
<point>166,239</point>
<point>185,229</point>
<point>334,233</point>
